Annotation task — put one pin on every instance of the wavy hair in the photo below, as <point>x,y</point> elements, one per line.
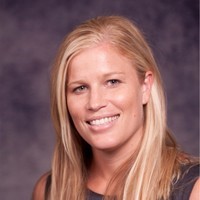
<point>146,175</point>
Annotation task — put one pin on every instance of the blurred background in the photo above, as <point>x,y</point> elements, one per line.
<point>30,33</point>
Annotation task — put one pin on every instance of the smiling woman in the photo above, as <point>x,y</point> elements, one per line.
<point>102,100</point>
<point>108,109</point>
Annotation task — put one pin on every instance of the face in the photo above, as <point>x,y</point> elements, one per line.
<point>105,99</point>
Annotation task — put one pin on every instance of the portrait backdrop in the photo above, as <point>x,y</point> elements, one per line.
<point>30,33</point>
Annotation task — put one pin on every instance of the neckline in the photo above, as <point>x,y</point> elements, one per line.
<point>94,193</point>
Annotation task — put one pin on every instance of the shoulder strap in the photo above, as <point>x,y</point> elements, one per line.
<point>47,187</point>
<point>182,189</point>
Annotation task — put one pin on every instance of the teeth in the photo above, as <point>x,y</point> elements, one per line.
<point>102,121</point>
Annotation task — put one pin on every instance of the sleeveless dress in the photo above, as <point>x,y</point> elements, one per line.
<point>181,190</point>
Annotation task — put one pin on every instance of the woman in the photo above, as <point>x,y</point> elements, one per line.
<point>109,113</point>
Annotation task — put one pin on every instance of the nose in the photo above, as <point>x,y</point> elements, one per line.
<point>96,100</point>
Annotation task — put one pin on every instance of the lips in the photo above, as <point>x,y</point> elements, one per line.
<point>102,121</point>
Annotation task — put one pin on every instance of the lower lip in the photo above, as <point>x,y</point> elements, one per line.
<point>103,127</point>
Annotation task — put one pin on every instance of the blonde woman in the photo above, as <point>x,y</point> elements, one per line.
<point>108,110</point>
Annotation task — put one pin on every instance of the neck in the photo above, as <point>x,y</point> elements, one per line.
<point>106,162</point>
<point>103,167</point>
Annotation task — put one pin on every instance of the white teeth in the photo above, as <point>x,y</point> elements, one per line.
<point>102,121</point>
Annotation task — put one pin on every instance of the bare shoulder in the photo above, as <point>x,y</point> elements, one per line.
<point>195,194</point>
<point>39,189</point>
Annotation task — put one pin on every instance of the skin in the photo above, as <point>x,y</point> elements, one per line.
<point>39,189</point>
<point>105,100</point>
<point>195,194</point>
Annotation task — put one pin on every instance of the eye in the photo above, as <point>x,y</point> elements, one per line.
<point>113,82</point>
<point>79,89</point>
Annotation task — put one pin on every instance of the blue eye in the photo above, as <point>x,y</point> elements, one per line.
<point>113,82</point>
<point>79,89</point>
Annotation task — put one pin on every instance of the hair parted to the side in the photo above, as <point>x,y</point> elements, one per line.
<point>143,176</point>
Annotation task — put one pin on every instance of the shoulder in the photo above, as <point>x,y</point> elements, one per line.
<point>40,187</point>
<point>186,185</point>
<point>195,194</point>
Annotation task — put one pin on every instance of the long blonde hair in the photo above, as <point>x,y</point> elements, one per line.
<point>146,175</point>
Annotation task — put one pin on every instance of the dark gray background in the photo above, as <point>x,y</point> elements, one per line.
<point>30,32</point>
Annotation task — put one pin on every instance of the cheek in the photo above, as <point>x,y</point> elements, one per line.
<point>73,108</point>
<point>129,99</point>
<point>75,114</point>
<point>132,104</point>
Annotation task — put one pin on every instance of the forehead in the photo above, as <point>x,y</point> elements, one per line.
<point>98,54</point>
<point>99,61</point>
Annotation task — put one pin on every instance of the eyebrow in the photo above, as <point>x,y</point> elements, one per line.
<point>82,80</point>
<point>113,73</point>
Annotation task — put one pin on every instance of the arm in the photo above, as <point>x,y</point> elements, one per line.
<point>195,194</point>
<point>39,189</point>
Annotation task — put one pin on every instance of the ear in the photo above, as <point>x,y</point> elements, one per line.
<point>146,87</point>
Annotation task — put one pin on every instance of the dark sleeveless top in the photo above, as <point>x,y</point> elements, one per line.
<point>181,189</point>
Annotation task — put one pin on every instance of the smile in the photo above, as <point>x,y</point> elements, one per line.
<point>103,121</point>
